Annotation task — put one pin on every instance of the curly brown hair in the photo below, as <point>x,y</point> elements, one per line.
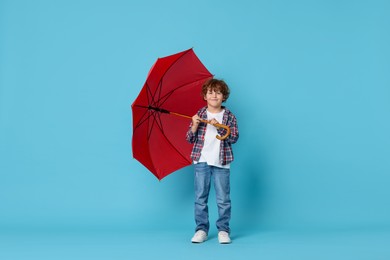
<point>216,85</point>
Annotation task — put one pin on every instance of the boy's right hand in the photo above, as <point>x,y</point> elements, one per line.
<point>195,123</point>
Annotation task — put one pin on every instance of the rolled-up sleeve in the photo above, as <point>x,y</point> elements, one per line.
<point>190,136</point>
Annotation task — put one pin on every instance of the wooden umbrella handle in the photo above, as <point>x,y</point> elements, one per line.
<point>220,126</point>
<point>204,121</point>
<point>227,131</point>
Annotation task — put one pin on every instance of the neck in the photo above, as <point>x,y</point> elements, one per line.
<point>214,110</point>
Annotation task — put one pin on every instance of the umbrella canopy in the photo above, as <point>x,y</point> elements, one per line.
<point>173,86</point>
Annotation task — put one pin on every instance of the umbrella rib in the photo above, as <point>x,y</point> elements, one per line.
<point>165,137</point>
<point>149,131</point>
<point>157,120</point>
<point>173,147</point>
<point>162,77</point>
<point>143,119</point>
<point>155,100</point>
<point>159,92</point>
<point>150,94</point>
<point>163,99</point>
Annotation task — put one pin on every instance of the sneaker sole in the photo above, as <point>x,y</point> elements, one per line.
<point>198,242</point>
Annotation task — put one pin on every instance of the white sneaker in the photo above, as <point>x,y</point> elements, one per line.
<point>199,237</point>
<point>223,237</point>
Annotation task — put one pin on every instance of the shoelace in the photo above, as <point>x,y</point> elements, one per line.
<point>200,234</point>
<point>224,235</point>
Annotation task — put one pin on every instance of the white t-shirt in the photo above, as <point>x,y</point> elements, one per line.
<point>212,146</point>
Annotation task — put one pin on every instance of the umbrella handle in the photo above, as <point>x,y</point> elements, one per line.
<point>220,126</point>
<point>227,131</point>
<point>204,121</point>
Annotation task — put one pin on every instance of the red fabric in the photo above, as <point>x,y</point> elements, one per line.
<point>174,84</point>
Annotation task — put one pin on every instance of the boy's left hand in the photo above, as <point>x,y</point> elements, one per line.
<point>213,121</point>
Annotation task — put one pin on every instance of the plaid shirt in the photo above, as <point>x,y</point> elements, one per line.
<point>197,138</point>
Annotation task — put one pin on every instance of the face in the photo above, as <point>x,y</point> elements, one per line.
<point>214,98</point>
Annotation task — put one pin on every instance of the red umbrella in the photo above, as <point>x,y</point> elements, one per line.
<point>172,88</point>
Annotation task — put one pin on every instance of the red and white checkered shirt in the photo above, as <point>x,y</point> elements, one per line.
<point>197,138</point>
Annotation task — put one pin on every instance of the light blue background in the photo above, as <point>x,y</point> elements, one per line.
<point>310,87</point>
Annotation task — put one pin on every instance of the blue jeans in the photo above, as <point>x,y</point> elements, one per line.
<point>221,178</point>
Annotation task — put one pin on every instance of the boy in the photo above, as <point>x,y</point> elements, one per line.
<point>212,158</point>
